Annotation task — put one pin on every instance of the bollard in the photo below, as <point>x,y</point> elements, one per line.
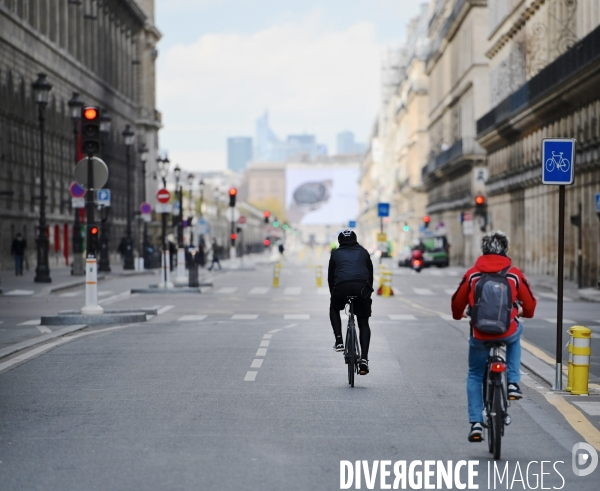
<point>319,276</point>
<point>380,287</point>
<point>180,278</point>
<point>582,338</point>
<point>276,272</point>
<point>570,369</point>
<point>386,284</point>
<point>192,270</point>
<point>91,288</point>
<point>166,271</point>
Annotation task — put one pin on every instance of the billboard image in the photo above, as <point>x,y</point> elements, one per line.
<point>321,194</point>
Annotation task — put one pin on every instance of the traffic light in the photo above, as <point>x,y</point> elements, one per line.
<point>285,226</point>
<point>92,240</point>
<point>426,220</point>
<point>276,223</point>
<point>267,214</point>
<point>267,242</point>
<point>481,211</point>
<point>232,195</point>
<point>90,130</point>
<point>406,228</point>
<point>233,237</point>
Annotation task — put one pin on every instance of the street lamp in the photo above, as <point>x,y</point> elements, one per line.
<point>128,135</point>
<point>163,170</point>
<point>143,151</point>
<point>179,191</point>
<point>190,179</point>
<point>104,260</point>
<point>77,269</point>
<point>41,93</point>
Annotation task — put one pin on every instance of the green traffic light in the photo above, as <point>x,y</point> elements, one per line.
<point>406,228</point>
<point>275,224</point>
<point>285,226</point>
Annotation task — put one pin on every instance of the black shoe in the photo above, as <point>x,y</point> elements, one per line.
<point>363,367</point>
<point>339,345</point>
<point>514,392</point>
<point>476,433</point>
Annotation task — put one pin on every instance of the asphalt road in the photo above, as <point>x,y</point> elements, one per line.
<point>238,388</point>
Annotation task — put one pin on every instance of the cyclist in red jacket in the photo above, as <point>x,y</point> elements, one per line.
<point>494,259</point>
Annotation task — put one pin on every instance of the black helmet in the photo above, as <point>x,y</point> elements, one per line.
<point>347,235</point>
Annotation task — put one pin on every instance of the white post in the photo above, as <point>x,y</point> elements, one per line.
<point>165,279</point>
<point>181,278</point>
<point>91,288</point>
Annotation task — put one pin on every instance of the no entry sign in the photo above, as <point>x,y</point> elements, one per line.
<point>163,196</point>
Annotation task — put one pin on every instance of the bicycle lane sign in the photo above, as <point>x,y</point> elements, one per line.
<point>558,159</point>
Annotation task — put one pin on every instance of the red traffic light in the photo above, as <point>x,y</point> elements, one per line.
<point>426,219</point>
<point>267,242</point>
<point>94,231</point>
<point>90,113</point>
<point>232,191</point>
<point>479,200</point>
<point>233,236</point>
<point>267,214</point>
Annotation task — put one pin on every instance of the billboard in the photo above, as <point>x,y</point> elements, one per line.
<point>320,194</point>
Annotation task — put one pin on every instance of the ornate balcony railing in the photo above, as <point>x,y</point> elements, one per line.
<point>463,147</point>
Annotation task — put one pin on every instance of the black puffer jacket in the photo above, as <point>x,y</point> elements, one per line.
<point>350,262</point>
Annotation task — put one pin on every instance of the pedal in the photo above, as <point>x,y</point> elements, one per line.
<point>507,420</point>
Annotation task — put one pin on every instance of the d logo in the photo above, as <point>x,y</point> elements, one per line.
<point>587,453</point>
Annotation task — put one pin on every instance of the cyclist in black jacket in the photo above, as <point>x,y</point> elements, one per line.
<point>351,274</point>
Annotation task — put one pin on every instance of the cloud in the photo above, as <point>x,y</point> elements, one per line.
<point>309,77</point>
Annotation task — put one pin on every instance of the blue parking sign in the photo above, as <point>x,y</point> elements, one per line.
<point>597,202</point>
<point>383,210</point>
<point>558,161</point>
<point>352,224</point>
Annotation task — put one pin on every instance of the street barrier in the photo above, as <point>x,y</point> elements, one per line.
<point>319,276</point>
<point>581,352</point>
<point>276,273</point>
<point>91,288</point>
<point>570,366</point>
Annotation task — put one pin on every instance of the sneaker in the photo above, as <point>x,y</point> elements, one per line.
<point>514,392</point>
<point>338,345</point>
<point>476,433</point>
<point>363,367</point>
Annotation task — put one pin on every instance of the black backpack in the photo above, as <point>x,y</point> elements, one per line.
<point>491,313</point>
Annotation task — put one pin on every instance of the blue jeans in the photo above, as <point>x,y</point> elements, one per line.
<point>478,355</point>
<point>19,264</point>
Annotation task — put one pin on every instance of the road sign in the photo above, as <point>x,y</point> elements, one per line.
<point>383,210</point>
<point>76,190</point>
<point>598,203</point>
<point>164,208</point>
<point>242,220</point>
<point>145,208</point>
<point>163,196</point>
<point>78,202</point>
<point>202,227</point>
<point>99,169</point>
<point>103,197</point>
<point>382,237</point>
<point>558,161</point>
<point>351,224</point>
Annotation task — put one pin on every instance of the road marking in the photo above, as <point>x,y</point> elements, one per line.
<point>450,291</point>
<point>452,273</point>
<point>257,362</point>
<point>250,376</point>
<point>274,331</point>
<point>265,343</point>
<point>576,419</point>
<point>259,290</point>
<point>104,293</point>
<point>292,290</point>
<point>70,294</point>
<point>435,272</point>
<point>565,321</point>
<point>267,336</point>
<point>592,408</point>
<point>35,322</point>
<point>402,317</point>
<point>296,317</point>
<point>322,291</point>
<point>165,309</point>
<point>43,329</point>
<point>19,293</point>
<point>448,317</point>
<point>227,290</point>
<point>116,298</point>
<point>242,317</point>
<point>422,291</point>
<point>188,318</point>
<point>261,352</point>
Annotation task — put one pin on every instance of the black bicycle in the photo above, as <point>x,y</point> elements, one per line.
<point>352,348</point>
<point>495,400</point>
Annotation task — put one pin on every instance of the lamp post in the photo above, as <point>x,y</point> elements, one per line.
<point>104,260</point>
<point>163,169</point>
<point>128,135</point>
<point>41,92</point>
<point>180,278</point>
<point>75,104</point>
<point>143,158</point>
<point>190,179</point>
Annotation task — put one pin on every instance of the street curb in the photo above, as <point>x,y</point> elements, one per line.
<point>15,348</point>
<point>543,370</point>
<point>150,311</point>
<point>167,291</point>
<point>148,272</point>
<point>71,284</point>
<point>67,320</point>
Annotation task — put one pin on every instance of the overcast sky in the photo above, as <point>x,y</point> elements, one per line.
<point>313,64</point>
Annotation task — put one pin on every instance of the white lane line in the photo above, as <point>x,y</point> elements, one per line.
<point>290,325</point>
<point>257,362</point>
<point>104,293</point>
<point>19,293</point>
<point>165,309</point>
<point>266,336</point>
<point>259,290</point>
<point>265,343</point>
<point>296,317</point>
<point>70,294</point>
<point>43,329</point>
<point>402,317</point>
<point>450,291</point>
<point>565,321</point>
<point>244,317</point>
<point>116,298</point>
<point>35,322</point>
<point>250,376</point>
<point>274,331</point>
<point>422,291</point>
<point>322,291</point>
<point>227,290</point>
<point>189,318</point>
<point>292,290</point>
<point>261,352</point>
<point>447,317</point>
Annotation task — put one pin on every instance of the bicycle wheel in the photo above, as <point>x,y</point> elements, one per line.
<point>565,165</point>
<point>487,404</point>
<point>351,354</point>
<point>550,165</point>
<point>497,421</point>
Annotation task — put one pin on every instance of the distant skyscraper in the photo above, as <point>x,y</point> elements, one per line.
<point>347,145</point>
<point>239,152</point>
<point>268,147</point>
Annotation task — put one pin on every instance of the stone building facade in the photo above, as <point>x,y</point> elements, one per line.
<point>544,73</point>
<point>103,49</point>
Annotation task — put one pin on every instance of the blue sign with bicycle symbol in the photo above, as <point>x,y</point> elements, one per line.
<point>558,159</point>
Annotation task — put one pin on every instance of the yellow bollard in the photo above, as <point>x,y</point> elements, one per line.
<point>570,369</point>
<point>582,338</point>
<point>386,288</point>
<point>319,276</point>
<point>276,272</point>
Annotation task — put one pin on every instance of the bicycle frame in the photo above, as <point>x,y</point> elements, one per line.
<point>495,400</point>
<point>351,349</point>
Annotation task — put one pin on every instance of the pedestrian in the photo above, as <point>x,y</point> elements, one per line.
<point>172,254</point>
<point>18,250</point>
<point>122,250</point>
<point>201,256</point>
<point>281,249</point>
<point>216,250</point>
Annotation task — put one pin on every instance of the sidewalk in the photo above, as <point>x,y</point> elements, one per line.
<point>548,286</point>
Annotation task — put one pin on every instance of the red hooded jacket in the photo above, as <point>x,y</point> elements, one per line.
<point>465,294</point>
